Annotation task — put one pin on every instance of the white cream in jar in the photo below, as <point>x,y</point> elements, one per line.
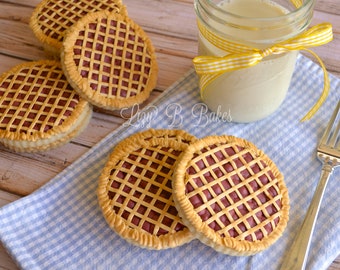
<point>252,93</point>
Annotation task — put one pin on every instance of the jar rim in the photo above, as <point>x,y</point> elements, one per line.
<point>306,5</point>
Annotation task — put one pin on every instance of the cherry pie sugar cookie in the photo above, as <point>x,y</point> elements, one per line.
<point>39,110</point>
<point>230,195</point>
<point>135,192</point>
<point>109,60</point>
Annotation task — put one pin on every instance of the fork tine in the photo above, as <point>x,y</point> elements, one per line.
<point>335,136</point>
<point>326,135</point>
<point>337,143</point>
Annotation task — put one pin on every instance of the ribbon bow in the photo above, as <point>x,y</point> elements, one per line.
<point>241,56</point>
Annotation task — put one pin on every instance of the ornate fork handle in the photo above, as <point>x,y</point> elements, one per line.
<point>297,256</point>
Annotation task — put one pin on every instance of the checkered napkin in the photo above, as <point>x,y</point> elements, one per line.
<point>60,226</point>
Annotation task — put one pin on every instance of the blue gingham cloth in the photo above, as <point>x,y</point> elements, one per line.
<point>60,226</point>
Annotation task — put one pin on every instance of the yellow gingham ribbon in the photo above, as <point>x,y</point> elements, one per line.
<point>241,56</point>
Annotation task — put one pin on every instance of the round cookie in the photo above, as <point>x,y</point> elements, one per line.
<point>135,193</point>
<point>51,18</point>
<point>230,195</point>
<point>109,60</point>
<point>38,108</point>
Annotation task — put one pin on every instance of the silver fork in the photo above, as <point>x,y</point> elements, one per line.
<point>328,153</point>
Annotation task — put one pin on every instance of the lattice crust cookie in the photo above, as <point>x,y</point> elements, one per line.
<point>52,18</point>
<point>230,195</point>
<point>109,60</point>
<point>38,108</point>
<point>135,192</point>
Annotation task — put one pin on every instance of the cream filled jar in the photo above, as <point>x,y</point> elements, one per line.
<point>249,92</point>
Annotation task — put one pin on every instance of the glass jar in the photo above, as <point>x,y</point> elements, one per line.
<point>252,93</point>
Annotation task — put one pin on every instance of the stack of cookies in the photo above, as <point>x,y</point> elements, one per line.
<point>101,58</point>
<point>163,188</point>
<point>39,110</point>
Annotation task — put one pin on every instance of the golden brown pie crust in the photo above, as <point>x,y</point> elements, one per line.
<point>135,192</point>
<point>230,195</point>
<point>39,109</point>
<point>109,60</point>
